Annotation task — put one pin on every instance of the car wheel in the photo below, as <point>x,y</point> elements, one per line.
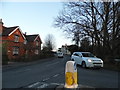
<point>72,59</point>
<point>83,64</point>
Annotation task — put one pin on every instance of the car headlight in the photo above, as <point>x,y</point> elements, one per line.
<point>89,60</point>
<point>101,60</point>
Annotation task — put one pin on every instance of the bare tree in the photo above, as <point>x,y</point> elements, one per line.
<point>98,20</point>
<point>49,44</point>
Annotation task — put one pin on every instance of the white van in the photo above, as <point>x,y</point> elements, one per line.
<point>60,54</point>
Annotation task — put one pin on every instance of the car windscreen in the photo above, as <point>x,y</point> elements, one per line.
<point>88,55</point>
<point>60,53</point>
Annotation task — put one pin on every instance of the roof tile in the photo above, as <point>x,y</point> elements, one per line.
<point>8,30</point>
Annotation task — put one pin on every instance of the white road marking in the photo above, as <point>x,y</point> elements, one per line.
<point>52,64</point>
<point>43,86</point>
<point>56,83</point>
<point>45,79</point>
<point>56,75</point>
<point>30,86</point>
<point>50,77</point>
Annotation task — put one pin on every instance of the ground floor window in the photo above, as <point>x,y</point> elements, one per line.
<point>15,50</point>
<point>36,52</point>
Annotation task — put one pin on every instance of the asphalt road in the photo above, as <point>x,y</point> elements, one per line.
<point>51,72</point>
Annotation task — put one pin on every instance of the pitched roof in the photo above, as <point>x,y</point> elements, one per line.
<point>31,38</point>
<point>8,30</point>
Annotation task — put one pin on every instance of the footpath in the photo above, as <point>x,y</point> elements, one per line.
<point>12,65</point>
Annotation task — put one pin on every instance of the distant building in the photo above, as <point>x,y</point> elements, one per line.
<point>33,44</point>
<point>64,50</point>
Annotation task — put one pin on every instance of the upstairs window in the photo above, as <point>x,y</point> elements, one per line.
<point>16,38</point>
<point>37,43</point>
<point>15,50</point>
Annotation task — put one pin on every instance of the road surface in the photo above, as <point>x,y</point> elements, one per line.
<point>52,72</point>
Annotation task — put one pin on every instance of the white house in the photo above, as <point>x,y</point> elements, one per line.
<point>65,50</point>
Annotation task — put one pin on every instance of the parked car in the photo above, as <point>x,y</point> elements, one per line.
<point>60,54</point>
<point>86,59</point>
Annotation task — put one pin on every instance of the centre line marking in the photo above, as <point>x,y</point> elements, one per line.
<point>56,75</point>
<point>45,79</point>
<point>43,86</point>
<point>52,64</point>
<point>30,86</point>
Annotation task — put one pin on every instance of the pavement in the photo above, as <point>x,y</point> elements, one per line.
<point>12,65</point>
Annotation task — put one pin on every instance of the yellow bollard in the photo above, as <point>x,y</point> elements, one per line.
<point>71,75</point>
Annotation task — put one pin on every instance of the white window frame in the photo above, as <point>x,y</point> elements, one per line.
<point>15,50</point>
<point>16,38</point>
<point>37,43</point>
<point>36,51</point>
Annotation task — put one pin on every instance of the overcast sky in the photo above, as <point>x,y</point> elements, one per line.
<point>34,18</point>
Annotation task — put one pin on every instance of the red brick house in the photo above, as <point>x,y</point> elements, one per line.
<point>33,46</point>
<point>17,44</point>
<point>14,40</point>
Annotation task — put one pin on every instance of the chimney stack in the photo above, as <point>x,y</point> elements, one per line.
<point>1,26</point>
